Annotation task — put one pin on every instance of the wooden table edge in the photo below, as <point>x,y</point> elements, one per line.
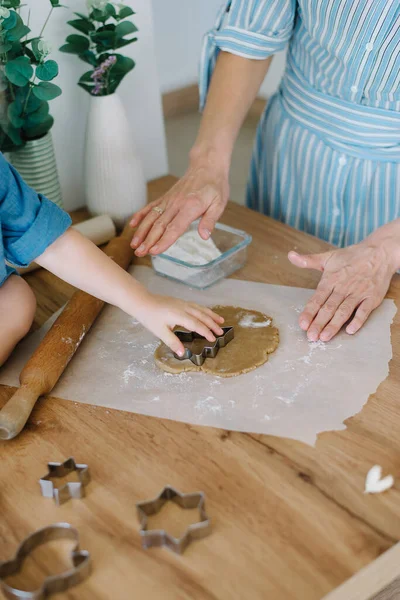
<point>371,580</point>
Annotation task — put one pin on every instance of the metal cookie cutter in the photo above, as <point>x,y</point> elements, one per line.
<point>55,583</point>
<point>72,489</point>
<point>155,537</point>
<point>210,350</point>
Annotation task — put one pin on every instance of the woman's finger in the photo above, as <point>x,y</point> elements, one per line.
<point>157,230</point>
<point>309,261</point>
<point>324,315</point>
<point>324,290</point>
<point>139,216</point>
<point>152,228</point>
<point>210,218</point>
<point>364,310</point>
<point>342,315</point>
<point>144,227</point>
<point>179,224</point>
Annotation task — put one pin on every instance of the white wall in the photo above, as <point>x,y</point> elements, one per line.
<point>179,28</point>
<point>139,91</point>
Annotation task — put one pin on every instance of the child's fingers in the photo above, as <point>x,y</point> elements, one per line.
<point>216,317</point>
<point>205,318</point>
<point>172,342</point>
<point>191,323</point>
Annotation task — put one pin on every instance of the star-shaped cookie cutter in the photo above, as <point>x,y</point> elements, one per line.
<point>210,350</point>
<point>72,489</point>
<point>159,537</point>
<point>55,583</point>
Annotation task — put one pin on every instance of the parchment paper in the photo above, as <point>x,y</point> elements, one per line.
<point>304,389</point>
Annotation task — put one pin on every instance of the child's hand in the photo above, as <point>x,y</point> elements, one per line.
<point>161,314</point>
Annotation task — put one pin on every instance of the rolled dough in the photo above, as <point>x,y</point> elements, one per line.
<point>255,338</point>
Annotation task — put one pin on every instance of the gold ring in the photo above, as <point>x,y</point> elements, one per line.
<point>158,210</point>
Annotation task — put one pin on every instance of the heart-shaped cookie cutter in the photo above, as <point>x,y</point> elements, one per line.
<point>210,350</point>
<point>55,583</point>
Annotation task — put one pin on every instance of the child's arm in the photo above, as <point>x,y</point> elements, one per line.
<point>78,261</point>
<point>33,228</point>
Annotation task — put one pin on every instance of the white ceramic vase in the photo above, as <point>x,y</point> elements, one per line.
<point>114,178</point>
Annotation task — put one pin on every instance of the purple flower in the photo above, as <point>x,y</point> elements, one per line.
<point>99,75</point>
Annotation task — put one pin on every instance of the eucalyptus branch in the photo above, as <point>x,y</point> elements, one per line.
<point>46,21</point>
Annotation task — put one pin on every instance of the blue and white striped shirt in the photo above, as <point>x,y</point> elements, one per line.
<point>327,153</point>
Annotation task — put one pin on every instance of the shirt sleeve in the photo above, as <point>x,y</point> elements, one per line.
<point>252,29</point>
<point>29,221</point>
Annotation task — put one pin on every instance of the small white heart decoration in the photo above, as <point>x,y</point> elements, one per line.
<point>373,482</point>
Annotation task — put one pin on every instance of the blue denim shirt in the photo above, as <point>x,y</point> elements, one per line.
<point>29,222</point>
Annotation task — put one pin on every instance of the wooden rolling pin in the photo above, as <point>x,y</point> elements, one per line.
<point>48,362</point>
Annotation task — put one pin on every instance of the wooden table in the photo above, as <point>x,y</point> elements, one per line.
<point>290,521</point>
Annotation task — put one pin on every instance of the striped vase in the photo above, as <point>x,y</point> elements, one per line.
<point>36,163</point>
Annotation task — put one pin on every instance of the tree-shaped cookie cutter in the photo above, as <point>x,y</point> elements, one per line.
<point>55,583</point>
<point>160,537</point>
<point>72,489</point>
<point>209,350</point>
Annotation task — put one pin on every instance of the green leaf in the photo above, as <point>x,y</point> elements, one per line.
<point>38,116</point>
<point>125,28</point>
<point>37,131</point>
<point>17,32</point>
<point>55,3</point>
<point>77,44</point>
<point>124,42</point>
<point>35,48</point>
<point>14,114</point>
<point>46,91</point>
<point>82,25</point>
<point>110,10</point>
<point>82,16</point>
<point>89,57</point>
<point>126,11</point>
<point>80,42</point>
<point>14,134</point>
<point>30,55</point>
<point>21,98</point>
<point>98,15</point>
<point>15,51</point>
<point>47,70</point>
<point>19,71</point>
<point>114,83</point>
<point>87,78</point>
<point>86,87</point>
<point>123,65</point>
<point>5,47</point>
<point>11,22</point>
<point>11,3</point>
<point>105,37</point>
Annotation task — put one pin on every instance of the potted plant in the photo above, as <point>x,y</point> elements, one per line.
<point>114,179</point>
<point>26,87</point>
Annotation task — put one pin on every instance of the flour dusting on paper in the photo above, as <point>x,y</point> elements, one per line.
<point>305,388</point>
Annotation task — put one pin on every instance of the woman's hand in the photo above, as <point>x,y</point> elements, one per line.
<point>160,314</point>
<point>354,282</point>
<point>202,192</point>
